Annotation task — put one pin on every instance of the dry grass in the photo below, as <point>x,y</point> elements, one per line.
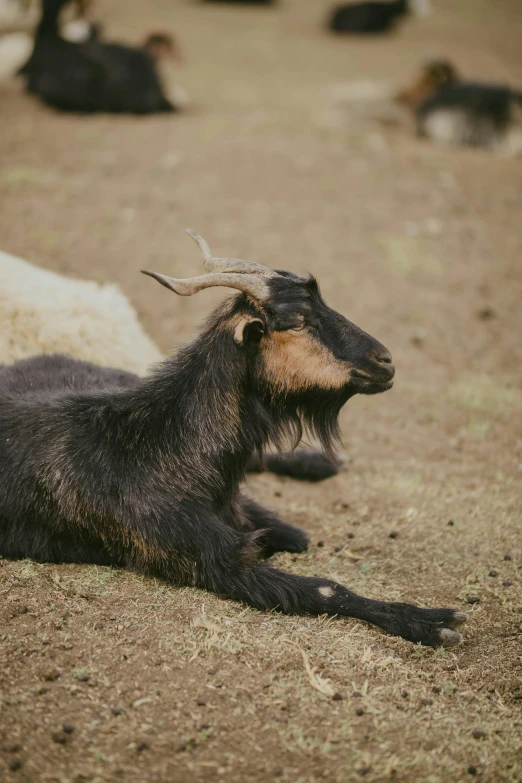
<point>420,246</point>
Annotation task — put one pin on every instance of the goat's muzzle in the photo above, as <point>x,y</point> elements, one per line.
<point>378,373</point>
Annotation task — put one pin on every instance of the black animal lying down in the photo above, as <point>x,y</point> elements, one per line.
<point>372,17</point>
<point>99,467</point>
<point>94,76</point>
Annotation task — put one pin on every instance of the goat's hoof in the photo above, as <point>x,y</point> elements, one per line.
<point>287,539</point>
<point>295,542</point>
<point>432,627</point>
<point>298,543</point>
<point>449,638</point>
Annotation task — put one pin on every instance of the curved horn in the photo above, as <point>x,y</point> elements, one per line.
<point>213,264</point>
<point>253,285</point>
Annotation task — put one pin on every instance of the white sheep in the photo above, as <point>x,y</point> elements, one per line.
<point>42,312</point>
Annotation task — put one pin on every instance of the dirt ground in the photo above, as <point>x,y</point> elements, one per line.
<point>107,676</point>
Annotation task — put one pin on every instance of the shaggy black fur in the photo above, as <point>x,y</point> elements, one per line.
<point>99,467</point>
<point>369,17</point>
<point>92,76</point>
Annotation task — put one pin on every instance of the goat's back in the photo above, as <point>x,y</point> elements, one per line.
<point>130,82</point>
<point>43,376</point>
<point>54,476</point>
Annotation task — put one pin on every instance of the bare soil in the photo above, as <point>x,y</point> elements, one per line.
<point>109,676</point>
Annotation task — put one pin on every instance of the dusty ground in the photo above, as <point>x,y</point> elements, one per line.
<point>420,246</point>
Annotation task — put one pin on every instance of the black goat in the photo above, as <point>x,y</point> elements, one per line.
<point>372,17</point>
<point>450,110</point>
<point>94,76</point>
<point>97,466</point>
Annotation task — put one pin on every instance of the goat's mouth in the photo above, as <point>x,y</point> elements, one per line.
<point>375,388</point>
<point>365,383</point>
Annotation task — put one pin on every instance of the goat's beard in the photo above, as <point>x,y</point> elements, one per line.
<point>313,412</point>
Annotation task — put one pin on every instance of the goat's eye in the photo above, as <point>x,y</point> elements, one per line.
<point>304,327</point>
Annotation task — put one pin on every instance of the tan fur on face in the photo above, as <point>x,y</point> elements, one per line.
<point>297,360</point>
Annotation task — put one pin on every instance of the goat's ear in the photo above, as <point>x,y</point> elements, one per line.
<point>249,331</point>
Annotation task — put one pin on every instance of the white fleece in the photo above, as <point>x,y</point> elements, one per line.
<point>42,312</point>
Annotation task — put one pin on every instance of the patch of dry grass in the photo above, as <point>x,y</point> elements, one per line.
<point>206,684</point>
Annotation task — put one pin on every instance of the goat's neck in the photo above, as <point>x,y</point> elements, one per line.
<point>200,417</point>
<point>48,25</point>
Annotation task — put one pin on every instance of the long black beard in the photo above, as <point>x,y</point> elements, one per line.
<point>313,413</point>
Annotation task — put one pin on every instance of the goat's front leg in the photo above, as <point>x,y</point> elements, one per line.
<point>278,536</point>
<point>267,589</point>
<point>210,555</point>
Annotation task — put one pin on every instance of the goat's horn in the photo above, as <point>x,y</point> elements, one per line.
<point>213,264</point>
<point>254,285</point>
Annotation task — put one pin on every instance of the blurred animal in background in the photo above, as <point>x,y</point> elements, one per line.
<point>42,312</point>
<point>101,467</point>
<point>432,76</point>
<point>450,110</point>
<point>95,76</point>
<point>438,105</point>
<point>167,54</point>
<point>161,46</point>
<point>374,17</point>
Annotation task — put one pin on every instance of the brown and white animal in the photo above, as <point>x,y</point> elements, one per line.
<point>451,110</point>
<point>98,466</point>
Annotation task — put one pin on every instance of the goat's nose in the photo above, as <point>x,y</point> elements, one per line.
<point>383,356</point>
